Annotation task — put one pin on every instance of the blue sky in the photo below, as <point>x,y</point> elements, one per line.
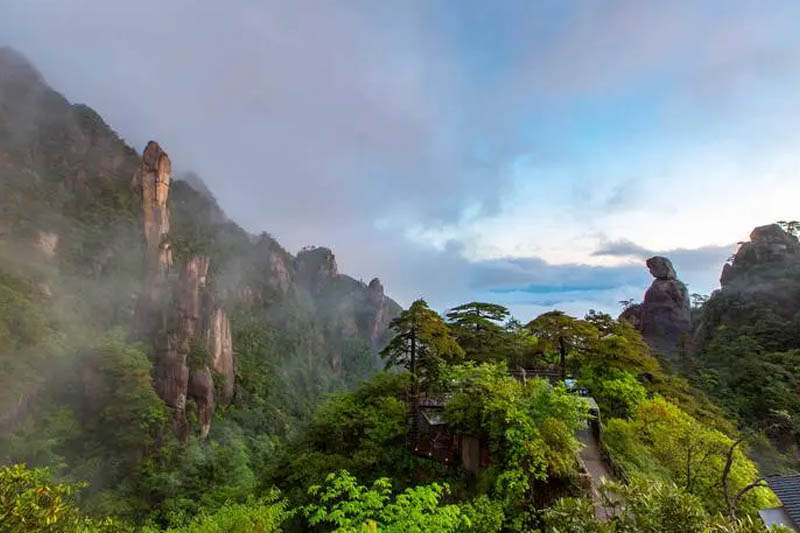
<point>528,153</point>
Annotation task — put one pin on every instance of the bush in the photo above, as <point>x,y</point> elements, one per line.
<point>31,502</point>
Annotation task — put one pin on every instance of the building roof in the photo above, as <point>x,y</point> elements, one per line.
<point>787,489</point>
<point>776,517</point>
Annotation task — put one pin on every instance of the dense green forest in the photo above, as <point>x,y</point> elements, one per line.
<point>348,413</point>
<point>349,468</point>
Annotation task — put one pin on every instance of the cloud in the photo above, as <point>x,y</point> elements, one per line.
<point>695,259</point>
<point>624,248</point>
<point>457,149</point>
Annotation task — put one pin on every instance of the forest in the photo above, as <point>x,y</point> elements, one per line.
<point>680,463</point>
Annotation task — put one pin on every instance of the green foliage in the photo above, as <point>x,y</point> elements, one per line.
<point>342,505</point>
<point>23,321</point>
<point>264,515</point>
<point>618,393</point>
<point>750,372</point>
<point>520,344</point>
<point>748,356</point>
<point>483,514</point>
<point>199,356</point>
<point>361,431</point>
<point>644,507</point>
<point>476,327</point>
<point>129,413</point>
<point>184,479</point>
<point>529,427</point>
<point>559,333</point>
<point>600,349</point>
<point>31,502</point>
<point>574,515</point>
<point>663,442</point>
<point>422,342</point>
<point>100,428</point>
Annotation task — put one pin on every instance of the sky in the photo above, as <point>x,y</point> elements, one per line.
<point>528,153</point>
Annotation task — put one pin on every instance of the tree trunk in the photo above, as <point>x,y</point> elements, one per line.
<point>414,388</point>
<point>563,349</point>
<point>414,359</point>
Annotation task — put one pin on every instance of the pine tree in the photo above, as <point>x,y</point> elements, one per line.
<point>421,342</point>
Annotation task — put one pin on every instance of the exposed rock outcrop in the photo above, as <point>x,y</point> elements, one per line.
<point>153,176</point>
<point>348,310</point>
<point>763,278</point>
<point>769,246</point>
<point>280,279</point>
<point>661,268</point>
<point>191,334</point>
<point>47,243</point>
<point>665,314</point>
<point>315,266</point>
<point>382,314</point>
<point>220,347</point>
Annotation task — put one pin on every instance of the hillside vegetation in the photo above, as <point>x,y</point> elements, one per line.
<point>346,412</point>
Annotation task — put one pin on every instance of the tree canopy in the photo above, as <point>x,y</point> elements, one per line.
<point>422,342</point>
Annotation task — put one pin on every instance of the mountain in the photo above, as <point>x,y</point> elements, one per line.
<point>745,347</point>
<point>97,241</point>
<point>742,345</point>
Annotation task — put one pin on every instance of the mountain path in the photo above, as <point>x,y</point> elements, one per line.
<point>597,468</point>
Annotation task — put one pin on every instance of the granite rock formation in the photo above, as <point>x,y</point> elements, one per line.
<point>315,267</point>
<point>762,278</point>
<point>153,177</point>
<point>256,271</point>
<point>769,247</point>
<point>664,316</point>
<point>84,215</point>
<point>191,334</point>
<point>381,313</point>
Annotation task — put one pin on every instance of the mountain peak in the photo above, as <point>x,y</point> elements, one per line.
<point>16,67</point>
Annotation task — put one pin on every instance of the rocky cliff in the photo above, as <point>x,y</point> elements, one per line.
<point>769,257</point>
<point>762,278</point>
<point>108,240</point>
<point>664,316</point>
<point>153,178</point>
<point>257,271</point>
<point>191,335</point>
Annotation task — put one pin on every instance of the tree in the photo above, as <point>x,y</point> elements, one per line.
<point>662,441</point>
<point>625,304</point>
<point>644,507</point>
<point>790,226</point>
<point>421,342</point>
<point>732,500</point>
<point>344,506</point>
<point>264,515</point>
<point>561,333</point>
<point>529,429</point>
<point>477,315</point>
<point>476,326</point>
<point>521,344</point>
<point>31,502</point>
